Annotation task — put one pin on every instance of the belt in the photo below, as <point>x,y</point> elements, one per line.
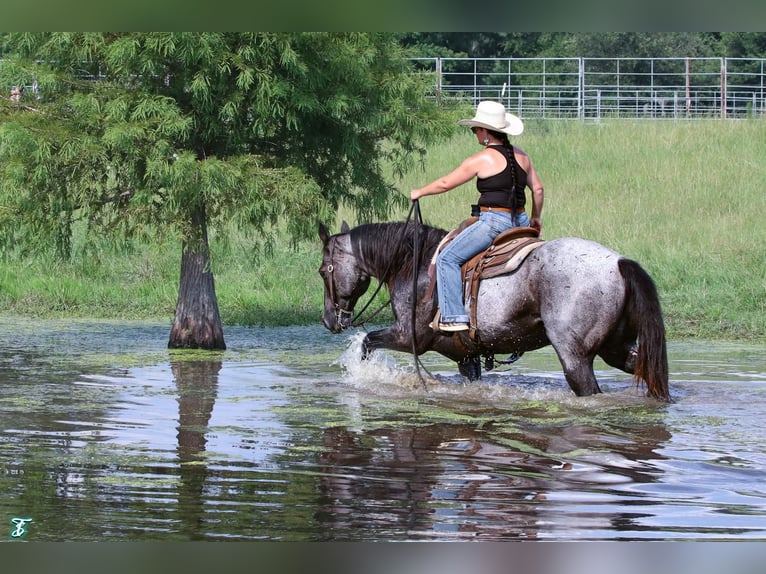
<point>503,209</point>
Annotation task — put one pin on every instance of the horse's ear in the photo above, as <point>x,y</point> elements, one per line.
<point>324,235</point>
<point>344,228</point>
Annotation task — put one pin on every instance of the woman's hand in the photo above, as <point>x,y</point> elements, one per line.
<point>537,223</point>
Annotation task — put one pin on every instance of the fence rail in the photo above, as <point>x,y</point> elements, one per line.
<point>595,88</point>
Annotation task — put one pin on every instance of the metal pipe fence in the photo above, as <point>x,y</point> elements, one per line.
<point>596,88</point>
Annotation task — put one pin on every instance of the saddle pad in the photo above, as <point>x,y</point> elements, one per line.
<point>519,249</point>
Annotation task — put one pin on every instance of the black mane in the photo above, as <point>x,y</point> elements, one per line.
<point>387,248</point>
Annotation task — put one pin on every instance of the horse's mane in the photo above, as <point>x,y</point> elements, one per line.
<point>387,248</point>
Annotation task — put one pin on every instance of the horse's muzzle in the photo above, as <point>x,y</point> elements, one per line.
<point>337,322</point>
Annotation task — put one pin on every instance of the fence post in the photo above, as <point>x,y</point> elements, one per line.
<point>723,88</point>
<point>476,97</point>
<point>581,89</point>
<point>688,88</point>
<point>438,80</point>
<point>763,100</point>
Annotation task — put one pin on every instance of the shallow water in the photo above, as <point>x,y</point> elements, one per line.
<point>107,435</point>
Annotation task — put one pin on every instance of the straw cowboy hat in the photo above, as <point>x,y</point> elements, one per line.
<point>492,116</point>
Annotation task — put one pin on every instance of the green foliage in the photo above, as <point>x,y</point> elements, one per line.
<point>642,44</point>
<point>139,131</point>
<point>486,44</point>
<point>744,44</point>
<point>586,44</point>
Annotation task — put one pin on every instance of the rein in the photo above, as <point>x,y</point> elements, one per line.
<point>415,267</point>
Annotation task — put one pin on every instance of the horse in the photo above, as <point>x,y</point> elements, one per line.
<point>575,294</point>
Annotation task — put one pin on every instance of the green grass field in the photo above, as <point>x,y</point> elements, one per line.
<point>685,199</point>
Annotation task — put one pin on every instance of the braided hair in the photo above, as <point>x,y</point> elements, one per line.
<point>503,137</point>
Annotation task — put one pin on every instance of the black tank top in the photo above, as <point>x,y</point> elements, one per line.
<point>498,190</point>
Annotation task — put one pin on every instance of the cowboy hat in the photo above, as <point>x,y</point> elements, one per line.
<point>492,116</point>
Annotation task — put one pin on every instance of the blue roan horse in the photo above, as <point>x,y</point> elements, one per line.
<point>572,293</point>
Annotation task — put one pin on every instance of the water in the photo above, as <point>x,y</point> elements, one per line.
<point>106,435</point>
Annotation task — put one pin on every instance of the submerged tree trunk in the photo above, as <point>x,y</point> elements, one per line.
<point>197,322</point>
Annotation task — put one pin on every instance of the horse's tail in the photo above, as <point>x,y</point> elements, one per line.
<point>644,311</point>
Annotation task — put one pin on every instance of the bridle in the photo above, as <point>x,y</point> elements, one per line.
<point>340,312</point>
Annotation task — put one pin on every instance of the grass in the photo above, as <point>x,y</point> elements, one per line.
<point>685,199</point>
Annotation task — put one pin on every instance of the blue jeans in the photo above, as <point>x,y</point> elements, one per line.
<point>473,239</point>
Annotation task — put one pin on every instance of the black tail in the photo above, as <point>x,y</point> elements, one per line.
<point>643,308</point>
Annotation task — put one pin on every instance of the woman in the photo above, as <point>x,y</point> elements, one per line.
<point>502,174</point>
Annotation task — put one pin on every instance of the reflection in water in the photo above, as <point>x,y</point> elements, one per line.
<point>197,385</point>
<point>456,480</point>
<point>279,438</point>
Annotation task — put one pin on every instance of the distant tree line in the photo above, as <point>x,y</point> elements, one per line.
<point>586,44</point>
<point>576,44</point>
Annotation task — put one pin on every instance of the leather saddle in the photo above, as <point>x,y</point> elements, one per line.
<point>507,252</point>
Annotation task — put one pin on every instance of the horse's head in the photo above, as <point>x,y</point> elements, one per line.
<point>344,280</point>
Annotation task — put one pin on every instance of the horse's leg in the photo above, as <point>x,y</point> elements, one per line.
<point>620,354</point>
<point>575,355</point>
<point>581,378</point>
<point>470,367</point>
<point>367,348</point>
<point>374,340</point>
<point>391,338</point>
<point>578,371</point>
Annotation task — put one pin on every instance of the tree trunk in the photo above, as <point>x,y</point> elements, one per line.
<point>197,322</point>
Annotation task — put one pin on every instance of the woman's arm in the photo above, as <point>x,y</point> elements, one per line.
<point>463,173</point>
<point>534,184</point>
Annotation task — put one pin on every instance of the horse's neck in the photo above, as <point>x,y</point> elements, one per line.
<point>393,256</point>
<point>385,262</point>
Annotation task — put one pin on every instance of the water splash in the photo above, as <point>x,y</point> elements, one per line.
<point>379,368</point>
<point>394,375</point>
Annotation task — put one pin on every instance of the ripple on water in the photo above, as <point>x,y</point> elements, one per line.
<point>288,435</point>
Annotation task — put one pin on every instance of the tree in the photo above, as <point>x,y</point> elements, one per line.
<point>137,132</point>
<point>573,44</point>
<point>642,44</point>
<point>744,44</point>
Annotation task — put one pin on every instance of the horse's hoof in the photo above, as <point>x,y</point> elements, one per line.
<point>470,368</point>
